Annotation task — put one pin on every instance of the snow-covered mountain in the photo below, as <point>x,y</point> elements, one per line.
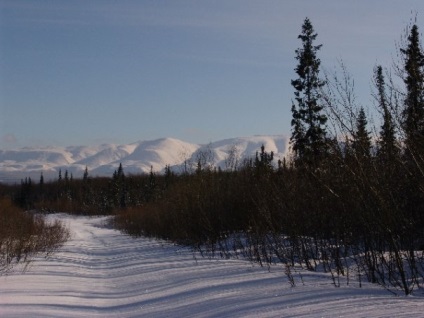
<point>138,157</point>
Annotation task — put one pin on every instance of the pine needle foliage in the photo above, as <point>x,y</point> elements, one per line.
<point>413,112</point>
<point>308,120</point>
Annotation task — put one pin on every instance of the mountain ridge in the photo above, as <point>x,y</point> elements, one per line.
<point>137,157</point>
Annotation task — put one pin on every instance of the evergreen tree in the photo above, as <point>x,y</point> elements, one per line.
<point>167,176</point>
<point>59,184</point>
<point>263,160</point>
<point>413,126</point>
<point>120,173</point>
<point>387,149</point>
<point>413,112</point>
<point>361,138</point>
<point>41,186</point>
<point>150,187</point>
<point>308,122</point>
<point>26,195</point>
<point>152,178</point>
<point>85,175</point>
<point>87,191</point>
<point>41,180</point>
<point>119,188</point>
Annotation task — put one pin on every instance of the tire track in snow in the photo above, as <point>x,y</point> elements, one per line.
<point>102,273</point>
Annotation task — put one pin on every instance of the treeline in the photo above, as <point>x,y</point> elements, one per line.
<point>89,195</point>
<point>349,200</point>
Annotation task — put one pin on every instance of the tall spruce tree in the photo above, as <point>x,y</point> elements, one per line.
<point>413,112</point>
<point>41,186</point>
<point>387,148</point>
<point>361,138</point>
<point>85,175</point>
<point>308,121</point>
<point>413,126</point>
<point>119,187</point>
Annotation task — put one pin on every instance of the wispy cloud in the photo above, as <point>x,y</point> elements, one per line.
<point>227,60</point>
<point>249,18</point>
<point>9,139</point>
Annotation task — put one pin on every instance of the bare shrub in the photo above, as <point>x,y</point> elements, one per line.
<point>24,235</point>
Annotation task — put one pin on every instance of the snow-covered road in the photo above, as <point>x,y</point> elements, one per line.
<point>102,273</point>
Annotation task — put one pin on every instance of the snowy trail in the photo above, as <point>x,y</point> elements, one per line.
<point>102,273</point>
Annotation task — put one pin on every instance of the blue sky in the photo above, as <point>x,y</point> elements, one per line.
<point>89,72</point>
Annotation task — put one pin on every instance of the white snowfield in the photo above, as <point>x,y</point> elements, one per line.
<point>136,158</point>
<point>103,273</point>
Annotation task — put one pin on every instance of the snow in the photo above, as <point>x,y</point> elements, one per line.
<point>103,273</point>
<point>139,157</point>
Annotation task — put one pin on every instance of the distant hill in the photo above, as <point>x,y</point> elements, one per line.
<point>138,157</point>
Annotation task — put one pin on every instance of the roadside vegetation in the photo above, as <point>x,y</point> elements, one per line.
<point>24,235</point>
<point>349,200</point>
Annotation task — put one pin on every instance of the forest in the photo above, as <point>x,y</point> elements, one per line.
<point>348,200</point>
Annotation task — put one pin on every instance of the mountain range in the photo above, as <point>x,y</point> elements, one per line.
<point>138,157</point>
